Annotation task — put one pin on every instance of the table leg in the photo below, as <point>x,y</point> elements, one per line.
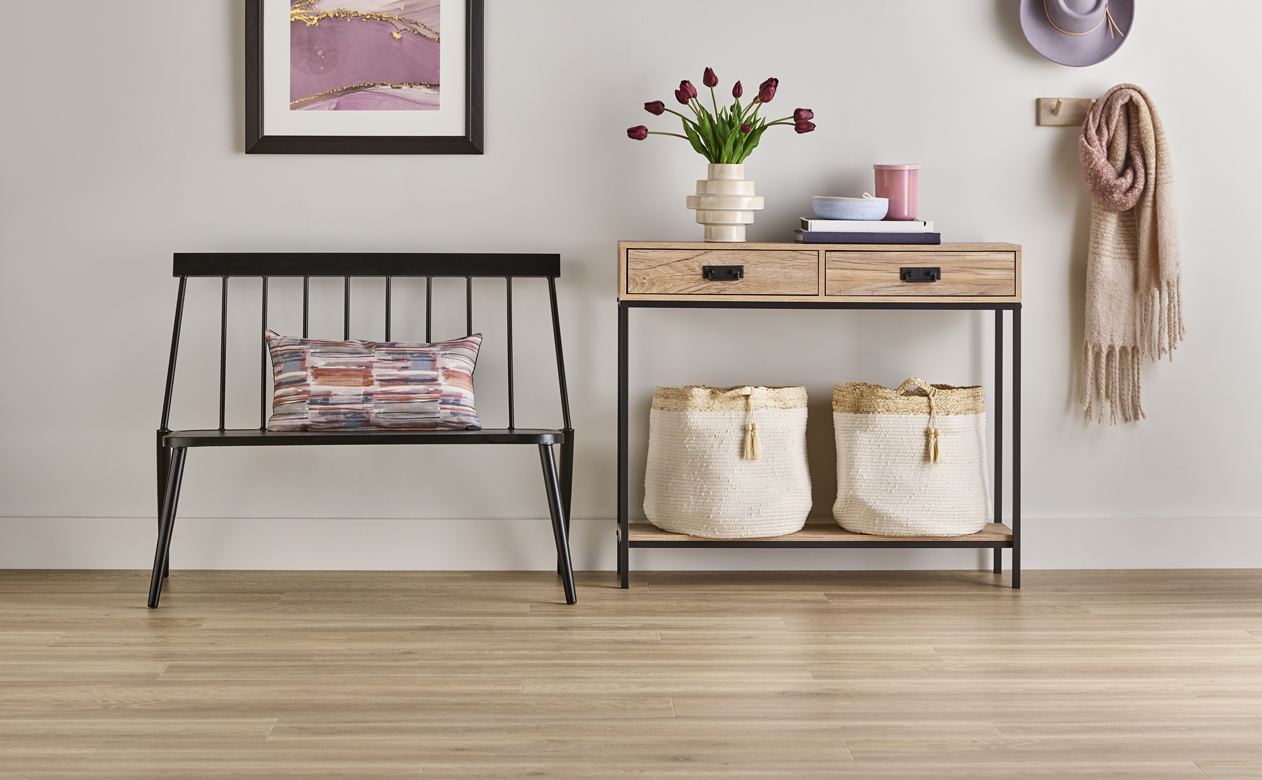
<point>997,400</point>
<point>1016,447</point>
<point>624,552</point>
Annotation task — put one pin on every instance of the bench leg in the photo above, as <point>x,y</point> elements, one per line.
<point>567,487</point>
<point>166,523</point>
<point>164,463</point>
<point>617,537</point>
<point>557,509</point>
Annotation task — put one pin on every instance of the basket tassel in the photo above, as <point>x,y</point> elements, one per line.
<point>753,448</point>
<point>935,443</point>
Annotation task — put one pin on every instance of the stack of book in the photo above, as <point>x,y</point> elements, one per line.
<point>857,231</point>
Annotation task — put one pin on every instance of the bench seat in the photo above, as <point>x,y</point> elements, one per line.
<point>254,437</point>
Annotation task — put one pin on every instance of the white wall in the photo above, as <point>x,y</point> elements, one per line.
<point>122,143</point>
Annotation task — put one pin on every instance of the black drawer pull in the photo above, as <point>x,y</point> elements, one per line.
<point>723,273</point>
<point>920,275</point>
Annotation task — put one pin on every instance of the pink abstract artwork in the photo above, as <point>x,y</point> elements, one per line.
<point>364,55</point>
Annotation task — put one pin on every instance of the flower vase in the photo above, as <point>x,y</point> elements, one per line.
<point>725,203</point>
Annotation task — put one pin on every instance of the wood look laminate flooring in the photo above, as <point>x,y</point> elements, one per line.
<point>1142,675</point>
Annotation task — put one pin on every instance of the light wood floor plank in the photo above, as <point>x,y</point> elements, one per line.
<point>1011,771</point>
<point>1231,770</point>
<point>1041,749</point>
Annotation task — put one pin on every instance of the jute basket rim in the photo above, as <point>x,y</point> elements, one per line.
<point>703,398</point>
<point>865,398</point>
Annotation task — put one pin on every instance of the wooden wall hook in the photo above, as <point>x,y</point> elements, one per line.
<point>1063,112</point>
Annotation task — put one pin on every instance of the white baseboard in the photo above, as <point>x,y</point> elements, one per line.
<point>521,544</point>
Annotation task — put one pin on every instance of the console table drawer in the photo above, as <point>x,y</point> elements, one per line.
<point>682,272</point>
<point>958,273</point>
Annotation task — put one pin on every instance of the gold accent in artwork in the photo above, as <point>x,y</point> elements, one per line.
<point>401,24</point>
<point>369,85</point>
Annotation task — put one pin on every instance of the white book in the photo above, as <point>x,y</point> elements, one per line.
<point>866,226</point>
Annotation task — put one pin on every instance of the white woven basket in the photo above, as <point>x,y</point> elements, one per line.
<point>911,461</point>
<point>728,463</point>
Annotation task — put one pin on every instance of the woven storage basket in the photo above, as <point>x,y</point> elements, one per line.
<point>728,463</point>
<point>911,461</point>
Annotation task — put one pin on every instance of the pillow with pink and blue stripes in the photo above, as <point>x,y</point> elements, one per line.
<point>365,385</point>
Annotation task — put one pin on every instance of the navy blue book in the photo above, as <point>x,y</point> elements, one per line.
<point>822,237</point>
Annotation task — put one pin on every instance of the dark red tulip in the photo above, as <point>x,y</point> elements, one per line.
<point>803,126</point>
<point>767,90</point>
<point>745,128</point>
<point>638,133</point>
<point>709,79</point>
<point>737,91</point>
<point>685,92</point>
<point>656,108</point>
<point>803,114</point>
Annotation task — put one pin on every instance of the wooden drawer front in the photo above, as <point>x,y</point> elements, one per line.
<point>679,272</point>
<point>963,273</point>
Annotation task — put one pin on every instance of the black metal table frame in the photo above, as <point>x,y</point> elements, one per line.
<point>624,530</point>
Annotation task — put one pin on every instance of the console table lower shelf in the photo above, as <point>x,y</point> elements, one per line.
<point>993,536</point>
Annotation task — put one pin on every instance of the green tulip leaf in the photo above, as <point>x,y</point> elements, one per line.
<point>697,146</point>
<point>708,134</point>
<point>729,146</point>
<point>755,136</point>
<point>738,148</point>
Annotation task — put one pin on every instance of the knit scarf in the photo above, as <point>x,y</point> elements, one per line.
<point>1134,308</point>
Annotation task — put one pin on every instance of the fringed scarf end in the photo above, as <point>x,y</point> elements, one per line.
<point>1111,374</point>
<point>1161,321</point>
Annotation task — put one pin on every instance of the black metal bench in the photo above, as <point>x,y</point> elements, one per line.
<point>173,446</point>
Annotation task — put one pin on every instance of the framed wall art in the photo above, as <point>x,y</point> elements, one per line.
<point>363,76</point>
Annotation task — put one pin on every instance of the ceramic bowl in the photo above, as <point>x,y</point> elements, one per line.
<point>866,208</point>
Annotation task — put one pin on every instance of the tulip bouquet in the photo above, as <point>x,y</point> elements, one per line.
<point>730,134</point>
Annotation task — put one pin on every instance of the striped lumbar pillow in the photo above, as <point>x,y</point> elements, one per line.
<point>338,385</point>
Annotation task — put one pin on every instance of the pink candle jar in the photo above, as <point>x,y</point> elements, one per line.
<point>901,184</point>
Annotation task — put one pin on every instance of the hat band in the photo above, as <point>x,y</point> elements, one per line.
<point>1107,15</point>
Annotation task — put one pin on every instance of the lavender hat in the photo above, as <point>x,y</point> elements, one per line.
<point>1077,32</point>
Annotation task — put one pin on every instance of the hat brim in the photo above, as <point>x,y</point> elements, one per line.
<point>1077,51</point>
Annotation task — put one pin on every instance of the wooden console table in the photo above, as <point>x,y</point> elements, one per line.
<point>958,277</point>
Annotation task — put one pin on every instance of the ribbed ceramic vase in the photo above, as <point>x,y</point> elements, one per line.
<point>725,203</point>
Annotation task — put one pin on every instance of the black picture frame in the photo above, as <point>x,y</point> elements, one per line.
<point>471,142</point>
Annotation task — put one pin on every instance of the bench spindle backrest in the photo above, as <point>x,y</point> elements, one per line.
<point>387,266</point>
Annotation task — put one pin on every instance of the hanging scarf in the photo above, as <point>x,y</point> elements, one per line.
<point>1134,308</point>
